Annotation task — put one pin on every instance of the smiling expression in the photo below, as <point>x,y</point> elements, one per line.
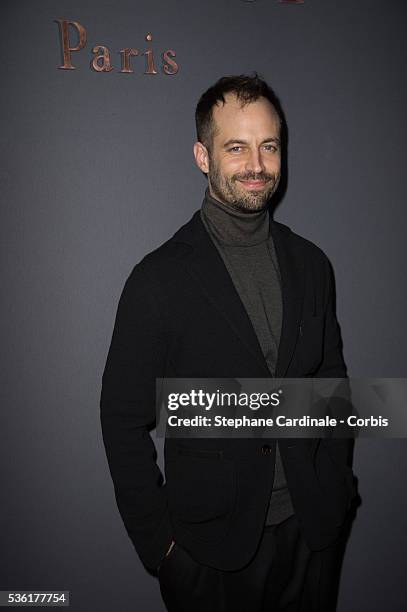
<point>244,161</point>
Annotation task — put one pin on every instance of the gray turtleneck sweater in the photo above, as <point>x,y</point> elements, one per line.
<point>245,244</point>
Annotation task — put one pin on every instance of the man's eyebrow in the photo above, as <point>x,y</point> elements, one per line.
<point>239,141</point>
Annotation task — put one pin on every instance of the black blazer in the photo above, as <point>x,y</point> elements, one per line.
<point>179,315</point>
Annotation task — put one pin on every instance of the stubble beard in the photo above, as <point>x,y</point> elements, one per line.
<point>227,189</point>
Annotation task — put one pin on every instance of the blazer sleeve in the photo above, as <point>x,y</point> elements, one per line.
<point>333,366</point>
<point>136,356</point>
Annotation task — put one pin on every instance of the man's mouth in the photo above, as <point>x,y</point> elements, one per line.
<point>250,184</point>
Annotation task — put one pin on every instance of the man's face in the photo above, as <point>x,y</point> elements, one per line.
<point>244,163</point>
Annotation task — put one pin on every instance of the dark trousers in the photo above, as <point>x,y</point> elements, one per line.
<point>283,576</point>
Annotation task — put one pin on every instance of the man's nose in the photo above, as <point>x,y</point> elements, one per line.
<point>255,162</point>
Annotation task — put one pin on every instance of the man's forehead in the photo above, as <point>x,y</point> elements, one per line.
<point>233,106</point>
<point>231,98</point>
<point>232,103</point>
<point>233,113</point>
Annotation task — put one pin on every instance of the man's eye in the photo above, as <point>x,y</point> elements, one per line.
<point>270,147</point>
<point>235,149</point>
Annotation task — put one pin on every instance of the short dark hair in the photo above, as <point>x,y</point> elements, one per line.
<point>246,88</point>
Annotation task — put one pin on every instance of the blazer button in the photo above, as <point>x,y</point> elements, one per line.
<point>266,449</point>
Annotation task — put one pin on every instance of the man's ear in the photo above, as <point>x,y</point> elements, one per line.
<point>201,157</point>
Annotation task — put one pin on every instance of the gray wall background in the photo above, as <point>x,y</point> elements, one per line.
<point>97,170</point>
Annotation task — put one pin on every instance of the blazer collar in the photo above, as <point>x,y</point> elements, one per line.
<point>206,265</point>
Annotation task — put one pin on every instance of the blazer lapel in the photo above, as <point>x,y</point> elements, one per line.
<point>206,266</point>
<point>292,288</point>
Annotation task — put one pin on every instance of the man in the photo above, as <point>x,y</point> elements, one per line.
<point>240,524</point>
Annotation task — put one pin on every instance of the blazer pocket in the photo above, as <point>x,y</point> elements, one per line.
<point>201,488</point>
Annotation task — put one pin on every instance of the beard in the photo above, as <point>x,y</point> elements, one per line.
<point>229,191</point>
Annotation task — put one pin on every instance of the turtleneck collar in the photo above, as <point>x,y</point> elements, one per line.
<point>233,227</point>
